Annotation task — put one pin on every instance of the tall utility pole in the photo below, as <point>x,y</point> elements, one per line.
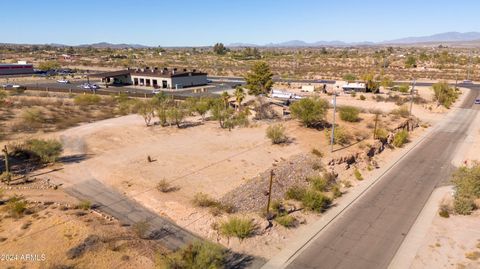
<point>411,96</point>
<point>269,194</point>
<point>332,139</point>
<point>7,165</point>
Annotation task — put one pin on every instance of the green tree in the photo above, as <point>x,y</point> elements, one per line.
<point>221,113</point>
<point>444,94</point>
<point>259,79</point>
<point>49,65</point>
<point>202,106</point>
<point>370,82</point>
<point>239,95</point>
<point>411,61</point>
<point>176,114</point>
<point>219,49</point>
<point>47,151</point>
<point>146,110</point>
<point>225,98</point>
<point>310,111</point>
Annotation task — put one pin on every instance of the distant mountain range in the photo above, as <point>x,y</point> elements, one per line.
<point>449,37</point>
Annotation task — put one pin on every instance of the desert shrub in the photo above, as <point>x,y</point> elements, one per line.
<point>310,111</point>
<point>203,200</point>
<point>400,138</point>
<point>237,227</point>
<point>295,193</point>
<point>141,228</point>
<point>287,221</point>
<point>444,211</point>
<point>467,188</point>
<point>316,201</point>
<point>317,153</point>
<point>362,97</point>
<point>463,205</point>
<point>84,205</point>
<point>349,113</point>
<point>199,254</point>
<point>381,134</point>
<point>32,116</point>
<point>276,133</point>
<point>336,191</point>
<point>319,183</point>
<point>403,112</point>
<point>87,99</point>
<point>48,151</point>
<point>16,207</point>
<point>164,186</point>
<point>357,174</point>
<point>444,94</point>
<point>353,94</point>
<point>340,136</point>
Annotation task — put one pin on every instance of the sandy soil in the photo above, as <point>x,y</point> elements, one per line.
<point>203,158</point>
<point>63,230</point>
<point>449,242</point>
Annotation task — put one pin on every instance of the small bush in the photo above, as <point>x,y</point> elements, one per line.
<point>296,193</point>
<point>46,151</point>
<point>474,255</point>
<point>358,175</point>
<point>463,205</point>
<point>287,221</point>
<point>349,113</point>
<point>317,153</point>
<point>203,200</point>
<point>316,201</point>
<point>381,134</point>
<point>164,186</point>
<point>444,211</point>
<point>87,99</point>
<point>400,139</point>
<point>319,183</point>
<point>237,227</point>
<point>336,191</point>
<point>276,133</point>
<point>141,229</point>
<point>16,207</point>
<point>84,205</point>
<point>33,116</point>
<point>196,255</point>
<point>362,97</point>
<point>340,136</point>
<point>403,112</point>
<point>310,111</point>
<point>353,94</point>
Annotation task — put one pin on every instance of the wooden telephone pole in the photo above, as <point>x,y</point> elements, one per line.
<point>7,165</point>
<point>269,193</point>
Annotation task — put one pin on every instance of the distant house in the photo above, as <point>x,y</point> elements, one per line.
<point>354,87</point>
<point>20,68</point>
<point>154,77</point>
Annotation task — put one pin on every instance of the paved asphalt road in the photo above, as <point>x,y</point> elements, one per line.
<point>371,230</point>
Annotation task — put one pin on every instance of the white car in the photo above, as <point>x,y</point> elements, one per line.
<point>63,81</point>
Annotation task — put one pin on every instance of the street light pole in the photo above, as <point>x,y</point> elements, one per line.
<point>411,96</point>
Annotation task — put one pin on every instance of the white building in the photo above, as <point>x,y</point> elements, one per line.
<point>354,87</point>
<point>156,78</point>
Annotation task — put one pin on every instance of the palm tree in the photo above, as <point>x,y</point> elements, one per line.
<point>239,95</point>
<point>225,97</point>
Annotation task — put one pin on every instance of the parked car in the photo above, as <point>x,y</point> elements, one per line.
<point>63,81</point>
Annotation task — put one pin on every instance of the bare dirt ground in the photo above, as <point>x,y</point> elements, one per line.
<point>199,159</point>
<point>452,242</point>
<point>53,227</point>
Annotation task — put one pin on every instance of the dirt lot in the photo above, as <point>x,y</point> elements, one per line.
<point>202,159</point>
<point>51,217</point>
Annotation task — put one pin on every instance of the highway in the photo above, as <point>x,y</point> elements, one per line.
<point>370,231</point>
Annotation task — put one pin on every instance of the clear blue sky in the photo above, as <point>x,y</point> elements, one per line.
<point>204,22</point>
